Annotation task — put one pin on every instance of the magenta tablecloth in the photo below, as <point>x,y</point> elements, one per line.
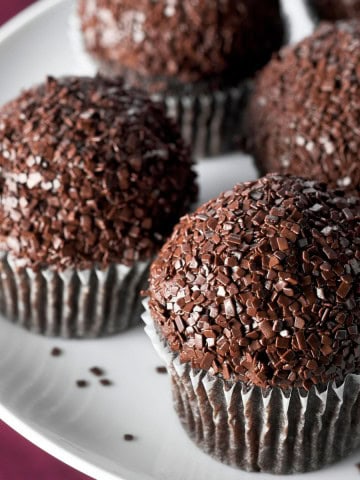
<point>8,8</point>
<point>19,459</point>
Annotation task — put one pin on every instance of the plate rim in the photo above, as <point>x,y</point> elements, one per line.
<point>52,448</point>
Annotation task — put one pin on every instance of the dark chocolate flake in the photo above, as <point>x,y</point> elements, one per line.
<point>82,383</point>
<point>343,290</point>
<point>97,371</point>
<point>56,352</point>
<point>105,382</point>
<point>162,370</point>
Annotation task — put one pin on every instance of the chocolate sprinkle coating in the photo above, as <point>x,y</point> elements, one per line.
<point>304,116</point>
<point>335,9</point>
<point>92,172</point>
<point>262,284</point>
<point>182,40</point>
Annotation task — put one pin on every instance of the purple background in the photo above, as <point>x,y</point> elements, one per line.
<point>9,8</point>
<point>19,459</point>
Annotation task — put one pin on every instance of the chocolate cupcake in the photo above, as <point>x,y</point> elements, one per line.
<point>254,305</point>
<point>303,117</point>
<point>335,9</point>
<point>193,56</point>
<point>93,176</point>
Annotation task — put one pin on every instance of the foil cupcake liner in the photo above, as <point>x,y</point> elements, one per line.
<point>72,303</point>
<point>209,122</point>
<point>273,431</point>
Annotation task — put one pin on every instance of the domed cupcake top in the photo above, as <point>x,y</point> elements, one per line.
<point>91,173</point>
<point>336,9</point>
<point>262,284</point>
<point>187,40</point>
<point>304,115</point>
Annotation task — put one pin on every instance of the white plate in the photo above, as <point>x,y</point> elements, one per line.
<point>38,393</point>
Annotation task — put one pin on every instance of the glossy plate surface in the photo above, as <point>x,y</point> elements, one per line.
<point>38,392</point>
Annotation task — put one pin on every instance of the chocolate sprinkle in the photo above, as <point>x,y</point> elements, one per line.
<point>97,371</point>
<point>335,9</point>
<point>181,41</point>
<point>304,115</point>
<point>91,173</point>
<point>162,370</point>
<point>82,383</point>
<point>285,317</point>
<point>56,352</point>
<point>106,382</point>
<point>128,437</point>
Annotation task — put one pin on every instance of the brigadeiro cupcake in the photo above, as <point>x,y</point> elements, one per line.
<point>303,117</point>
<point>254,306</point>
<point>93,176</point>
<point>335,9</point>
<point>193,56</point>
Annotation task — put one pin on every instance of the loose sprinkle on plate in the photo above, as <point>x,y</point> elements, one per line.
<point>56,352</point>
<point>82,383</point>
<point>161,370</point>
<point>97,371</point>
<point>106,382</point>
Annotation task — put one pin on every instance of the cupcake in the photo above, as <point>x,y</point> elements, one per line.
<point>303,117</point>
<point>254,306</point>
<point>93,176</point>
<point>192,56</point>
<point>335,9</point>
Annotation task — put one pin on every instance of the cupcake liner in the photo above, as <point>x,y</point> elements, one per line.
<point>72,303</point>
<point>209,121</point>
<point>263,430</point>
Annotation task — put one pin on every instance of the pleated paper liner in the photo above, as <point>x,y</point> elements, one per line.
<point>262,430</point>
<point>72,303</point>
<point>209,121</point>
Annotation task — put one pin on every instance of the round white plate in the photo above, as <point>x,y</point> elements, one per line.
<point>84,427</point>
